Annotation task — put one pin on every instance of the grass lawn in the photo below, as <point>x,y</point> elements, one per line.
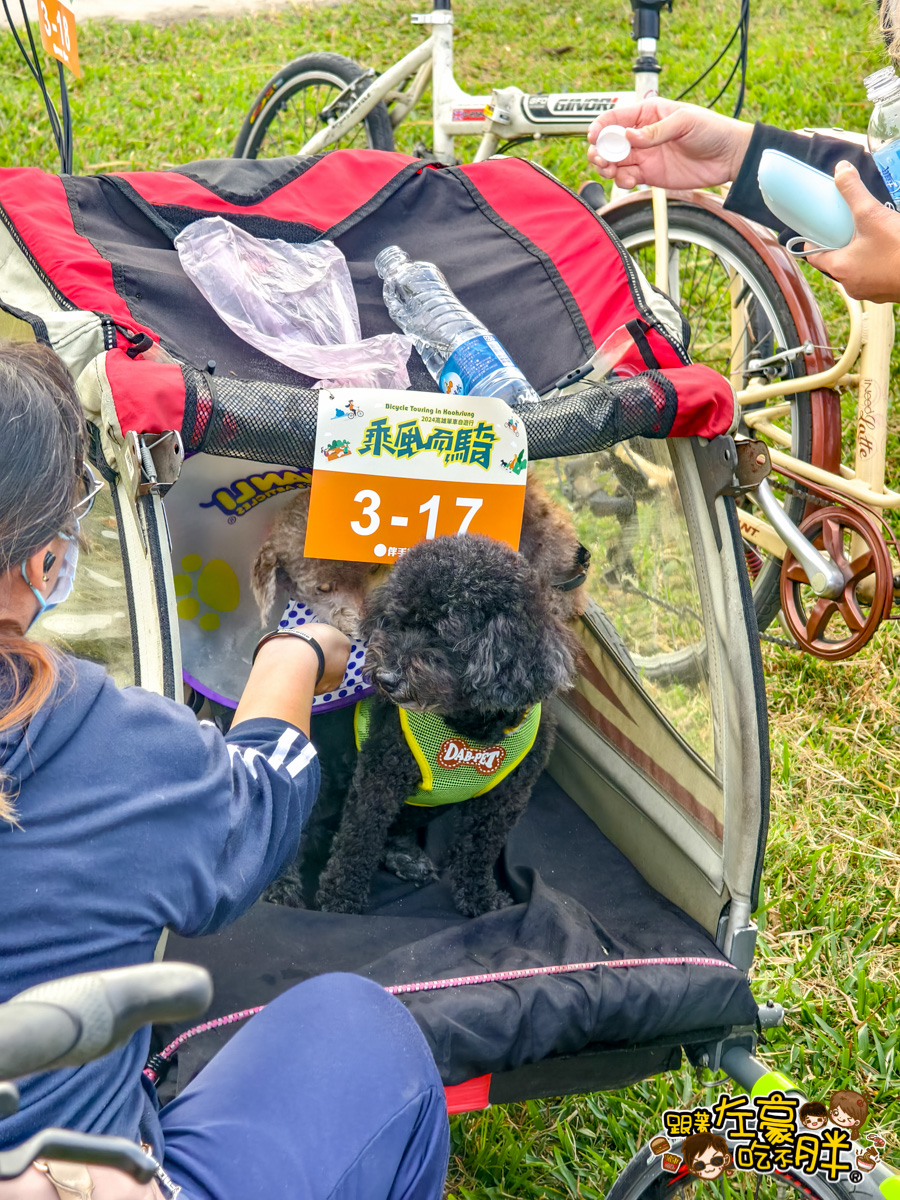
<point>830,922</point>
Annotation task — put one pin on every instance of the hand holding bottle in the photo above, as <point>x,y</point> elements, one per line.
<point>869,266</point>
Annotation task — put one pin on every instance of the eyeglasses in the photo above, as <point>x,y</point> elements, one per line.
<point>91,486</point>
<point>716,1161</point>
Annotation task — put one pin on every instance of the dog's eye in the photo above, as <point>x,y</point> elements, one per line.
<point>325,587</point>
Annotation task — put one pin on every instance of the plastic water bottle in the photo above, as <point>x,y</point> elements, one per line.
<point>462,355</point>
<point>883,90</point>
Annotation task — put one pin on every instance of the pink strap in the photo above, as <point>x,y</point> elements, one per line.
<point>434,985</point>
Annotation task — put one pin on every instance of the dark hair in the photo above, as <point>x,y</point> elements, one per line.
<point>41,453</point>
<point>813,1108</point>
<point>698,1143</point>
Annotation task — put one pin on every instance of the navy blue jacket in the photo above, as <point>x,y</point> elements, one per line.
<point>133,817</point>
<point>819,151</point>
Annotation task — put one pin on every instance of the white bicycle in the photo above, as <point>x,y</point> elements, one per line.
<point>751,314</point>
<point>321,101</point>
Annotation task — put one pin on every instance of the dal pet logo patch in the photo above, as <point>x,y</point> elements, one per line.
<point>454,752</point>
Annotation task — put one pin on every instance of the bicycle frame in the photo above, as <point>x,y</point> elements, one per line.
<point>507,114</point>
<point>870,339</point>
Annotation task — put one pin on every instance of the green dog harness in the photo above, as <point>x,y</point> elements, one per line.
<point>454,768</point>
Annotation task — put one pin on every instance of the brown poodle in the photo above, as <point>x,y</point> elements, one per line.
<point>336,590</point>
<point>333,589</point>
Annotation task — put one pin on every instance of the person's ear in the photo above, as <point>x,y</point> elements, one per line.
<point>38,567</point>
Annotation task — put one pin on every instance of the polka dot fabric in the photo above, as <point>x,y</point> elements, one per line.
<point>353,686</point>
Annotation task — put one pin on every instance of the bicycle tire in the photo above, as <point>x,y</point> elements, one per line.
<point>702,232</point>
<point>269,128</point>
<point>646,1180</point>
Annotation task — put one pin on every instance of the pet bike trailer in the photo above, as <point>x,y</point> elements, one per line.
<point>637,865</point>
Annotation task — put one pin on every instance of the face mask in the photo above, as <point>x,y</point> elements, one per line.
<point>65,580</point>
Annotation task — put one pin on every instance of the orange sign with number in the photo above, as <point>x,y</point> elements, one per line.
<point>396,468</point>
<point>58,36</point>
<point>376,518</point>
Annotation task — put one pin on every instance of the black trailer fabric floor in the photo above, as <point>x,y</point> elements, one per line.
<point>578,901</point>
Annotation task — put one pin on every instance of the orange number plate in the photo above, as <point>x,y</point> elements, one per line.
<point>58,36</point>
<point>393,469</point>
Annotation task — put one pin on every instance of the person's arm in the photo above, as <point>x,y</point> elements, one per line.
<point>197,825</point>
<point>677,145</point>
<point>283,677</point>
<point>673,145</point>
<point>819,151</point>
<point>274,772</point>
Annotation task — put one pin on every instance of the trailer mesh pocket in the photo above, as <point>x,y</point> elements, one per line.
<point>276,423</point>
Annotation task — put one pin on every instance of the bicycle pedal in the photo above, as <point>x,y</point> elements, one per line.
<point>592,193</point>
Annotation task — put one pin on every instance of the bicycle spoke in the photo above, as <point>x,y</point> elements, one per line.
<point>862,566</point>
<point>853,615</point>
<point>831,539</point>
<point>817,621</point>
<point>797,573</point>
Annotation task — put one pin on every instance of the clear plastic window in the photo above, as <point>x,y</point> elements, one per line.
<point>94,622</point>
<point>645,600</point>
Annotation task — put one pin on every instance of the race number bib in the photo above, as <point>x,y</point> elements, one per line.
<point>58,36</point>
<point>392,469</point>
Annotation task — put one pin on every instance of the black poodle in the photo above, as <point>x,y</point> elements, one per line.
<point>464,643</point>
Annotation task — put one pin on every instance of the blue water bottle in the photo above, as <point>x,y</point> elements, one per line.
<point>883,90</point>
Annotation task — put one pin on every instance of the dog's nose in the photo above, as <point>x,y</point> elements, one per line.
<point>387,680</point>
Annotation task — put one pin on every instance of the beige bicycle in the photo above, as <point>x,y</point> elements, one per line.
<point>751,313</point>
<point>817,545</point>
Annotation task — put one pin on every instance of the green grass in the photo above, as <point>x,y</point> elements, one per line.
<point>830,946</point>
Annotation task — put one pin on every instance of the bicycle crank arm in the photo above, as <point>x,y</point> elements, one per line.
<point>824,576</point>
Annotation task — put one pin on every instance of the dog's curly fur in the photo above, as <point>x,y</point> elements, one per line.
<point>333,589</point>
<point>467,628</point>
<point>336,591</point>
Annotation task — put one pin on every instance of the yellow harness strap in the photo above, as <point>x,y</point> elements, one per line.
<point>454,768</point>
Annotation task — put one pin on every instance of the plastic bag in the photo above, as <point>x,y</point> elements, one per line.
<point>295,303</point>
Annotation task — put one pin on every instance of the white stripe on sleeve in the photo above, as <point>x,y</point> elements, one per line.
<point>246,754</point>
<point>303,759</point>
<point>279,754</point>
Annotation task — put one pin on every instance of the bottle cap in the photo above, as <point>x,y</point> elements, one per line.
<point>881,84</point>
<point>612,143</point>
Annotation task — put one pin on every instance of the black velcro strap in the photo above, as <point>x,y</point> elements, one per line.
<point>638,330</point>
<point>583,559</point>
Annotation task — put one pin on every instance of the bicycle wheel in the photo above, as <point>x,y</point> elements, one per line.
<point>737,313</point>
<point>287,112</point>
<point>646,1180</point>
